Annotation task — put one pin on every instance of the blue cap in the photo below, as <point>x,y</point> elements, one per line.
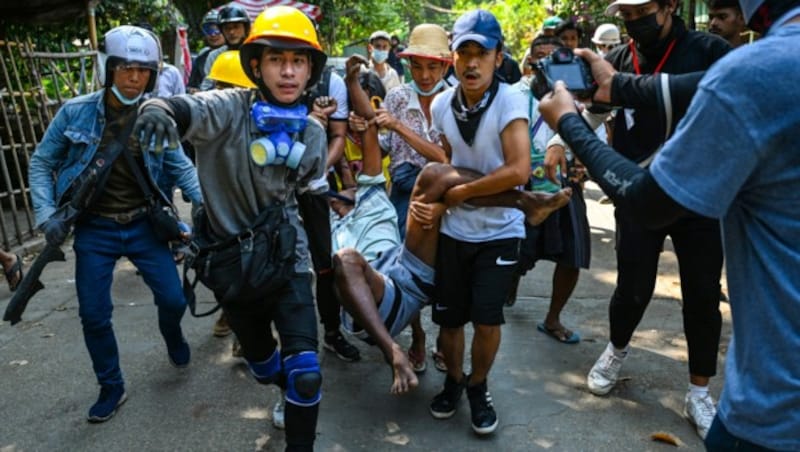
<point>480,26</point>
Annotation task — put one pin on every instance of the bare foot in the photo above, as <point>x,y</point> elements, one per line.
<point>537,206</point>
<point>404,378</point>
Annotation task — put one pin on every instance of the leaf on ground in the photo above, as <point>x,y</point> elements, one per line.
<point>392,427</point>
<point>400,440</point>
<point>19,362</point>
<point>667,438</point>
<point>262,441</point>
<point>46,335</point>
<point>61,308</point>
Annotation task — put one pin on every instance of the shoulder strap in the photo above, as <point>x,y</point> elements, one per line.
<point>103,159</point>
<point>137,173</point>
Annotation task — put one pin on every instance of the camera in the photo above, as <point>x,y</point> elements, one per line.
<point>563,65</point>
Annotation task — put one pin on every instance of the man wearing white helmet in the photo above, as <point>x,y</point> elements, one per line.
<point>735,157</point>
<point>256,149</point>
<point>605,38</point>
<point>115,224</point>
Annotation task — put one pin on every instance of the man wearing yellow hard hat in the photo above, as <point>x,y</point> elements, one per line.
<point>255,150</point>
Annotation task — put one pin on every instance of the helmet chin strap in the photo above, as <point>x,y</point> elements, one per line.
<point>265,92</point>
<point>124,100</point>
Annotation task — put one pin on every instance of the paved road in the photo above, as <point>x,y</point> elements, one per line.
<point>538,385</point>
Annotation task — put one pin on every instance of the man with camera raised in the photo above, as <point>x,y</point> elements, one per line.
<point>660,42</point>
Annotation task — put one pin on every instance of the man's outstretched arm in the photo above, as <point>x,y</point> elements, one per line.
<point>628,185</point>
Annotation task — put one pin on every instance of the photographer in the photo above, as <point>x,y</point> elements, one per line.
<point>660,43</point>
<point>754,190</point>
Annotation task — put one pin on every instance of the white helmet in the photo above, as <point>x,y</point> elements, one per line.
<point>129,44</point>
<point>606,34</point>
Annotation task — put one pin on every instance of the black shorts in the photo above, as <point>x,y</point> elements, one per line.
<point>473,281</point>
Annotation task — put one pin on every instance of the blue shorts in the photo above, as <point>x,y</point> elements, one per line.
<point>408,285</point>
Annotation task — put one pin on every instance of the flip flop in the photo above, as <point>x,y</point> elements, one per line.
<point>16,268</point>
<point>573,338</point>
<point>438,360</point>
<point>417,362</point>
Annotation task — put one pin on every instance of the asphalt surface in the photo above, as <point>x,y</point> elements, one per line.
<point>538,384</point>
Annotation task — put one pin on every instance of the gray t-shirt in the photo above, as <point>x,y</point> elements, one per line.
<point>234,188</point>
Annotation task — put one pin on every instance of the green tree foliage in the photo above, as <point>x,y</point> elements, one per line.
<point>521,20</point>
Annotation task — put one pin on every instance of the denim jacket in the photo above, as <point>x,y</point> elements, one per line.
<point>71,141</point>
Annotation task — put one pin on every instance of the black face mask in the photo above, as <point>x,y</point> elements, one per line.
<point>644,30</point>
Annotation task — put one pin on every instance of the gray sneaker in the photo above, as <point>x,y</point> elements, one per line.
<point>604,373</point>
<point>700,411</point>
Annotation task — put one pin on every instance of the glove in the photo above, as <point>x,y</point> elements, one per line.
<point>55,231</point>
<point>153,125</point>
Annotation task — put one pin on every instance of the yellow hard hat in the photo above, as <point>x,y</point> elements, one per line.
<point>228,69</point>
<point>283,27</point>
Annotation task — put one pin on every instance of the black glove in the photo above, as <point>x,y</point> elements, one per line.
<point>152,126</point>
<point>55,231</point>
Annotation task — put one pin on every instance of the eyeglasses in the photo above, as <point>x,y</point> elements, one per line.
<point>210,30</point>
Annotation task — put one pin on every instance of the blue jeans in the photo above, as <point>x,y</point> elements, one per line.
<point>721,440</point>
<point>99,243</point>
<point>403,179</point>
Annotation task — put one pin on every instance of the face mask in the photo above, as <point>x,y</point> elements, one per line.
<point>379,56</point>
<point>601,53</point>
<point>644,30</point>
<point>432,91</point>
<point>121,97</point>
<point>279,125</point>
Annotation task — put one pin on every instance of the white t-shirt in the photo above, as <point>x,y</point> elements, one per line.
<point>371,227</point>
<point>338,90</point>
<point>480,224</point>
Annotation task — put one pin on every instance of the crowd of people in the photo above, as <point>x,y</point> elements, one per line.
<point>361,199</point>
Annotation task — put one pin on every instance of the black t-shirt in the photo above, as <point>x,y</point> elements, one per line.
<point>693,51</point>
<point>121,192</point>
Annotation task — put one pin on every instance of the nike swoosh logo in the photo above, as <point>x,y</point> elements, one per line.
<point>502,262</point>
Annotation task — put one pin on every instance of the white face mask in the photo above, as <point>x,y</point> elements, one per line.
<point>379,56</point>
<point>124,100</point>
<point>431,92</point>
<point>602,53</point>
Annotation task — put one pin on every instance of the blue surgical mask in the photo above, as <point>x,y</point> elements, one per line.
<point>431,92</point>
<point>124,100</point>
<point>379,56</point>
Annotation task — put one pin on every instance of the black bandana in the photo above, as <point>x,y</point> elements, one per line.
<point>468,119</point>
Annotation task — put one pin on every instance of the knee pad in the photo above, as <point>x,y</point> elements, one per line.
<point>303,379</point>
<point>269,371</point>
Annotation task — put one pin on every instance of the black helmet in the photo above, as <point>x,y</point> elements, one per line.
<point>235,14</point>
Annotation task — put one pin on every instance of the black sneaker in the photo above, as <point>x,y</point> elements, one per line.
<point>484,419</point>
<point>444,403</point>
<point>339,345</point>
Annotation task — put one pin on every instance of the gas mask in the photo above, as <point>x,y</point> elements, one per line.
<point>281,126</point>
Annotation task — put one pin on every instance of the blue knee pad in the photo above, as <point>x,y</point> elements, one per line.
<point>266,372</point>
<point>303,379</point>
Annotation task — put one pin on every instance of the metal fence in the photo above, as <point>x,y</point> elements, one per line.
<point>34,85</point>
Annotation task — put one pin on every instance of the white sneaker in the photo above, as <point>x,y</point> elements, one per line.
<point>278,412</point>
<point>700,410</point>
<point>604,373</point>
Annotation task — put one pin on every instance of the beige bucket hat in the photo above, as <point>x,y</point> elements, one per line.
<point>428,41</point>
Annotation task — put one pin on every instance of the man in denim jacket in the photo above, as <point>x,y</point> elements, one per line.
<point>115,224</point>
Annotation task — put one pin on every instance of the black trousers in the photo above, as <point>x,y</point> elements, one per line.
<point>317,222</point>
<point>698,247</point>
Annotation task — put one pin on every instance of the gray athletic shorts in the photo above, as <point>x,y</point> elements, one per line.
<point>408,286</point>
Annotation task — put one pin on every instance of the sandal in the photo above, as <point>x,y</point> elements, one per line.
<point>418,363</point>
<point>16,269</point>
<point>438,360</point>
